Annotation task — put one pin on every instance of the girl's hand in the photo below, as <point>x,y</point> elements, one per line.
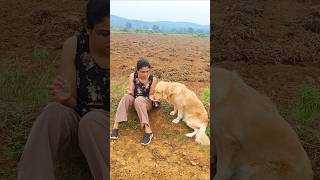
<point>129,90</point>
<point>151,97</point>
<point>60,90</point>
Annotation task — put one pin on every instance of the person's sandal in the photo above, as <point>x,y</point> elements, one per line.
<point>146,139</point>
<point>114,134</point>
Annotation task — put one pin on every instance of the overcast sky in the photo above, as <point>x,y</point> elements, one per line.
<point>196,11</point>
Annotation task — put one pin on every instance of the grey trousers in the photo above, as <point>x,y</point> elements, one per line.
<point>58,127</point>
<point>141,104</point>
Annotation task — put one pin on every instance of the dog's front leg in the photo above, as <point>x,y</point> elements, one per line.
<point>180,116</point>
<point>172,113</point>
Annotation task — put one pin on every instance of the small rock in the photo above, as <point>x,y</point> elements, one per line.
<point>193,163</point>
<point>204,167</point>
<point>123,66</point>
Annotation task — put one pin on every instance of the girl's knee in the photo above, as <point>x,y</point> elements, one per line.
<point>139,100</point>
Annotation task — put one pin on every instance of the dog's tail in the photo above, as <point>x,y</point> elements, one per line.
<point>201,136</point>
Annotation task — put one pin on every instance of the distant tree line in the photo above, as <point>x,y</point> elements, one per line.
<point>156,29</point>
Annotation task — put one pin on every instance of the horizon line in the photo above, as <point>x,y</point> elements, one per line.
<point>162,20</point>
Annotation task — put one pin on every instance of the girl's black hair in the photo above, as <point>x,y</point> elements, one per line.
<point>96,11</point>
<point>142,62</point>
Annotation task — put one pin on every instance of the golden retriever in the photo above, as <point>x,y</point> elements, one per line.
<point>188,106</point>
<point>252,140</point>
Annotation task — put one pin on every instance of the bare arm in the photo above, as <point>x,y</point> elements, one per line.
<point>130,85</point>
<point>67,69</point>
<point>153,86</point>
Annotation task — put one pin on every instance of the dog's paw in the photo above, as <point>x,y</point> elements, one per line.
<point>190,135</point>
<point>176,120</point>
<point>172,113</point>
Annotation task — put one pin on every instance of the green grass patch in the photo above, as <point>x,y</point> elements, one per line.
<point>306,108</point>
<point>182,139</point>
<point>40,53</point>
<point>13,150</point>
<point>117,91</point>
<point>132,123</point>
<point>19,86</point>
<point>117,88</point>
<point>201,35</point>
<point>168,133</point>
<point>208,130</point>
<point>166,109</point>
<point>205,95</point>
<point>22,95</point>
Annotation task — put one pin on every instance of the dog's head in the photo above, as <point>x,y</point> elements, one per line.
<point>223,82</point>
<point>159,91</point>
<point>163,90</point>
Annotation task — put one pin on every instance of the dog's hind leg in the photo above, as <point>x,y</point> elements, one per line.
<point>195,131</point>
<point>193,125</point>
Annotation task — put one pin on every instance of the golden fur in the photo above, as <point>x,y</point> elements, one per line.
<point>188,106</point>
<point>252,140</point>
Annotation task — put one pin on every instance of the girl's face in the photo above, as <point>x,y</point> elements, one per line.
<point>100,34</point>
<point>143,72</point>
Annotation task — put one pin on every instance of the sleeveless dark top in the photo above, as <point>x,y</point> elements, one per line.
<point>92,80</point>
<point>141,89</point>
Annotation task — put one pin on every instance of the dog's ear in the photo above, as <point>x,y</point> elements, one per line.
<point>164,96</point>
<point>222,81</point>
<point>165,92</point>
